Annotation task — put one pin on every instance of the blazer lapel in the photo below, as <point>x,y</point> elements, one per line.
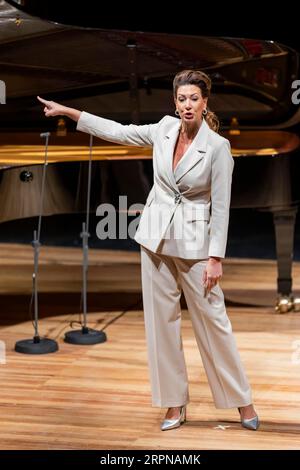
<point>194,153</point>
<point>169,147</point>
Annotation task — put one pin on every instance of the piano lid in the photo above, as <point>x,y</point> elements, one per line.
<point>28,149</point>
<point>89,69</point>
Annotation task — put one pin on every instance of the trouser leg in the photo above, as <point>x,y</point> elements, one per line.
<point>216,343</point>
<point>162,313</point>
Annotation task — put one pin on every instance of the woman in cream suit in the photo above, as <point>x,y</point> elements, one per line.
<point>183,236</point>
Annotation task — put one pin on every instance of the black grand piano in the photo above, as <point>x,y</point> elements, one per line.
<point>127,76</point>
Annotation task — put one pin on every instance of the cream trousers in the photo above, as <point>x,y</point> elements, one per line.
<point>163,279</point>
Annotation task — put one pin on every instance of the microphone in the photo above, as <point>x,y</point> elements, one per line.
<point>45,134</point>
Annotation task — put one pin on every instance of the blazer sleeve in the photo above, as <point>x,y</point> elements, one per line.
<point>107,129</point>
<point>222,168</point>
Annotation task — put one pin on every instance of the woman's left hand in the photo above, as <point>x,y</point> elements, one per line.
<point>212,273</point>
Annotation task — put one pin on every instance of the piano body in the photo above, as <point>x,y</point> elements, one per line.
<point>127,76</point>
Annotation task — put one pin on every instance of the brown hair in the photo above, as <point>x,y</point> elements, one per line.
<point>202,81</point>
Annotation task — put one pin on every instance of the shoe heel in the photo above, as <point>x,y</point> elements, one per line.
<point>183,412</point>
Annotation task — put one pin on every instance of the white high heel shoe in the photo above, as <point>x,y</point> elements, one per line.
<point>174,423</point>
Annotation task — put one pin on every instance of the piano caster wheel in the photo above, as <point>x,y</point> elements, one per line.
<point>284,304</point>
<point>296,304</point>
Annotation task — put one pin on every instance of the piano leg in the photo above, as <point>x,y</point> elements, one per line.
<point>284,223</point>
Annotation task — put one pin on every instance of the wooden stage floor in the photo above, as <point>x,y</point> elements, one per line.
<point>98,397</point>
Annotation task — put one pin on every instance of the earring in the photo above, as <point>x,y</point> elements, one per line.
<point>176,112</point>
<point>204,112</point>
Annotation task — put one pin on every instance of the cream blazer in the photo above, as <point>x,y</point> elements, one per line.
<point>190,205</point>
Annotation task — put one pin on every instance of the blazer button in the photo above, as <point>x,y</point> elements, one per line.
<point>177,197</point>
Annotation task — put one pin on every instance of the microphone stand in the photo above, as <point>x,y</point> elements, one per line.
<point>37,345</point>
<point>86,335</point>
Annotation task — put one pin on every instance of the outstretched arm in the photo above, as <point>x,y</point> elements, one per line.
<point>106,129</point>
<point>55,109</point>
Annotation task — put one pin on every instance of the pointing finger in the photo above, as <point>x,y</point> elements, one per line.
<point>42,100</point>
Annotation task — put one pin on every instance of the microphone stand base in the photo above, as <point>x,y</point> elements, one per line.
<point>36,345</point>
<point>85,336</point>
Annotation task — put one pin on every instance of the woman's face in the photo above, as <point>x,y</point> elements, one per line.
<point>190,104</point>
